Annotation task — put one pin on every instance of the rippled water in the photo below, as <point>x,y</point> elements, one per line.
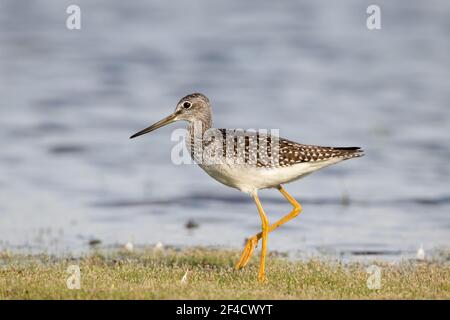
<point>70,100</point>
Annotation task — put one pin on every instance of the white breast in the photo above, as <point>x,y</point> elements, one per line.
<point>251,178</point>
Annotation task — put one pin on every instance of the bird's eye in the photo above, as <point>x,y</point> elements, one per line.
<point>187,104</point>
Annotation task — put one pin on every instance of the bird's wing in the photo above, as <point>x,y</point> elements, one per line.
<point>293,153</point>
<point>264,149</point>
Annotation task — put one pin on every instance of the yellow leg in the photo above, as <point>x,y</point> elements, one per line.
<point>252,242</point>
<point>264,234</point>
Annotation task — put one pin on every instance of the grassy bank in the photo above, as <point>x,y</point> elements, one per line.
<point>152,274</point>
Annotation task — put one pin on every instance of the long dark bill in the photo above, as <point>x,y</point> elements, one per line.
<point>155,126</point>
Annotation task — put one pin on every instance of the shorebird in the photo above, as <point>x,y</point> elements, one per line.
<point>249,161</point>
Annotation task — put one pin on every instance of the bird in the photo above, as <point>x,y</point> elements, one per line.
<point>249,161</point>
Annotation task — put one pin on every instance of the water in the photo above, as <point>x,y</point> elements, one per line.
<point>70,100</point>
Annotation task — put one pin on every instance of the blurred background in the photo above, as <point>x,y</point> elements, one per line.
<point>70,177</point>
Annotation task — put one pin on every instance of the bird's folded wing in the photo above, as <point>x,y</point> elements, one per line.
<point>264,148</point>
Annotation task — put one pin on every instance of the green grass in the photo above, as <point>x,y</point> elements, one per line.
<point>148,274</point>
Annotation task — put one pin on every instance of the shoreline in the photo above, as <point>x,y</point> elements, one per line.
<point>199,273</point>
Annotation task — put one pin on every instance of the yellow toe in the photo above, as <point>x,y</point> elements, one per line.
<point>247,253</point>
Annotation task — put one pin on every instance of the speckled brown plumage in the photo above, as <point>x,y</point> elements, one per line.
<point>270,152</point>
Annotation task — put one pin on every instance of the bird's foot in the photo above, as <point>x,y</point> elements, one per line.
<point>252,243</point>
<point>261,276</point>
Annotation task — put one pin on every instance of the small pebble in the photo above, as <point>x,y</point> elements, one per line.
<point>129,246</point>
<point>191,224</point>
<point>159,246</point>
<point>420,253</point>
<point>94,242</point>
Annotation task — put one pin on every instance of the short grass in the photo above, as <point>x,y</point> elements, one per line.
<point>149,274</point>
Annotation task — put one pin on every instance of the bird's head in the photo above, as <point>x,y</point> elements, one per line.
<point>191,108</point>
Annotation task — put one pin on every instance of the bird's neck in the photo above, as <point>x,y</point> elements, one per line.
<point>200,125</point>
<point>196,132</point>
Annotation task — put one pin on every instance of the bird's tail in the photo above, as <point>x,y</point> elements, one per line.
<point>349,152</point>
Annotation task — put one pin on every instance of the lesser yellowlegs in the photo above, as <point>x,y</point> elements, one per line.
<point>249,161</point>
